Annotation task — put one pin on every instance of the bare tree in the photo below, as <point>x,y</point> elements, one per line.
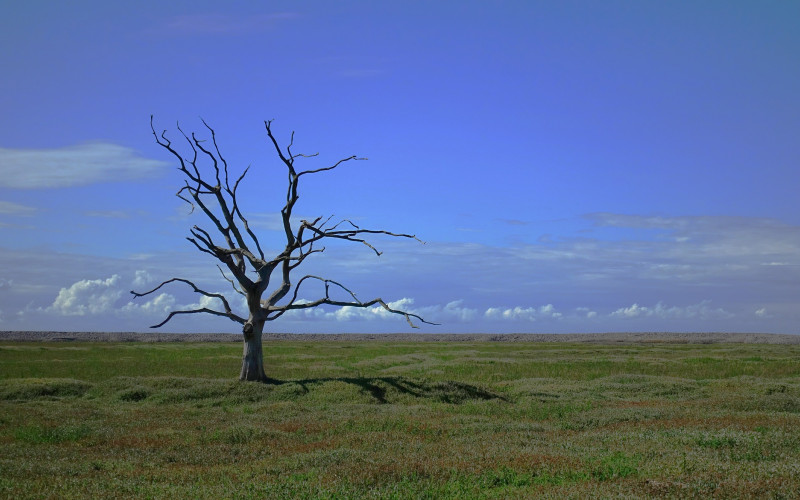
<point>243,256</point>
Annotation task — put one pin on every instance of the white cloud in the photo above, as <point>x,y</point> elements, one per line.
<point>611,278</point>
<point>633,311</point>
<point>448,313</point>
<point>724,238</point>
<point>523,313</point>
<point>74,166</point>
<point>9,208</point>
<point>237,302</point>
<point>451,311</point>
<point>87,297</point>
<point>158,307</point>
<point>350,313</point>
<point>702,310</point>
<point>205,301</point>
<point>104,297</point>
<point>142,278</point>
<point>163,303</point>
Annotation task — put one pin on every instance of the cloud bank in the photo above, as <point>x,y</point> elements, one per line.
<point>10,208</point>
<point>108,298</point>
<point>87,297</point>
<point>622,273</point>
<point>74,166</point>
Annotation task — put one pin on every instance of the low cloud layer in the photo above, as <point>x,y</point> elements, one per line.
<point>10,208</point>
<point>523,313</point>
<point>703,310</point>
<point>74,166</point>
<point>622,273</point>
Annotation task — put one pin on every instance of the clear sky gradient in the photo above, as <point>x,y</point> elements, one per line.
<point>573,166</point>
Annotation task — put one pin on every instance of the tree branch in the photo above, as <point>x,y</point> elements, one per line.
<point>238,212</point>
<point>219,153</point>
<point>233,283</point>
<point>278,150</point>
<point>201,310</point>
<point>350,235</point>
<point>292,305</point>
<point>219,203</point>
<point>354,157</point>
<point>226,225</point>
<point>228,313</point>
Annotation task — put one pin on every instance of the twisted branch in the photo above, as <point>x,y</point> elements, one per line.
<point>293,305</point>
<point>228,313</point>
<point>220,205</point>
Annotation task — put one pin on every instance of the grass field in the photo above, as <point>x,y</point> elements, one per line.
<point>400,420</point>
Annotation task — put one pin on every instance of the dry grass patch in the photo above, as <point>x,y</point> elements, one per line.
<point>404,420</point>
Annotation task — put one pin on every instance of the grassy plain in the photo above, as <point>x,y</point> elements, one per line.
<point>400,420</point>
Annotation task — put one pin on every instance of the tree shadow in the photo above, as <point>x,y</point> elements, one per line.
<point>378,388</point>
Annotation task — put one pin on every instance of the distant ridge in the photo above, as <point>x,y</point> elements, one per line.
<point>600,338</point>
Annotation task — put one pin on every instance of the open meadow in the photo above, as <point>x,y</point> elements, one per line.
<point>400,419</point>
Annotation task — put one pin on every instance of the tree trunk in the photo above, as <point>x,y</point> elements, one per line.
<point>252,356</point>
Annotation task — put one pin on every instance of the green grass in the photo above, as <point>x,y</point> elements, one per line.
<point>400,420</point>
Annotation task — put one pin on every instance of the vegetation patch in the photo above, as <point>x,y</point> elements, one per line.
<point>28,389</point>
<point>38,434</point>
<point>337,421</point>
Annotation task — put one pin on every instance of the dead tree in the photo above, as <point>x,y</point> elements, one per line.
<point>238,249</point>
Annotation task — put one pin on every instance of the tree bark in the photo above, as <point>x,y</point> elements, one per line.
<point>252,355</point>
<point>216,196</point>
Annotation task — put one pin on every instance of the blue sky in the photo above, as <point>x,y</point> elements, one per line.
<point>572,166</point>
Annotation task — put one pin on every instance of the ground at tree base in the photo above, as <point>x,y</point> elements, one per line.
<point>401,419</point>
